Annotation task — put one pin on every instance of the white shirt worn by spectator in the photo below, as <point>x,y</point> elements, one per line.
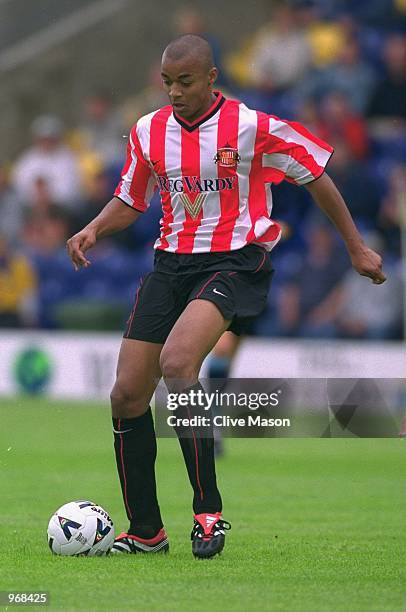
<point>379,308</point>
<point>57,167</point>
<point>280,59</point>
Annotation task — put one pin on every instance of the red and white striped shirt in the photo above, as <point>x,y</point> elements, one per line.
<point>214,174</point>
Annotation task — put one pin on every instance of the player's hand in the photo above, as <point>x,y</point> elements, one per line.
<point>78,245</point>
<point>368,263</point>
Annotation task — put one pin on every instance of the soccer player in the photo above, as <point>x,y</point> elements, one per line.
<point>212,160</point>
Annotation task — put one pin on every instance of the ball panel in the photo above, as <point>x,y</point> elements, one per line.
<point>80,528</point>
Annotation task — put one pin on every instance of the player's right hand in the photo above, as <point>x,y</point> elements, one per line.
<point>78,245</point>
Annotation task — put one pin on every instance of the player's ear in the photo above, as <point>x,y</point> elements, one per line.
<point>213,72</point>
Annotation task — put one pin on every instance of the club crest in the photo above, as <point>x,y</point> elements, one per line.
<point>227,157</point>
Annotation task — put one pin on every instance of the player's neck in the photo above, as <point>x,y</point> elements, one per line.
<point>203,109</point>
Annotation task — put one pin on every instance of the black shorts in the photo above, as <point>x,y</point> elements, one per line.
<point>236,281</point>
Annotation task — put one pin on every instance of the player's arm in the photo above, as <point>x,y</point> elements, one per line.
<point>291,152</point>
<point>114,217</point>
<point>365,261</point>
<point>131,198</point>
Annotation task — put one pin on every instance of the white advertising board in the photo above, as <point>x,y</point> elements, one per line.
<point>82,366</point>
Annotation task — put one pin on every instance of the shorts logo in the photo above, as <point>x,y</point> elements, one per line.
<point>227,157</point>
<point>218,293</point>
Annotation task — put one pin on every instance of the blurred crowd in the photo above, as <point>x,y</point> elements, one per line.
<point>337,67</point>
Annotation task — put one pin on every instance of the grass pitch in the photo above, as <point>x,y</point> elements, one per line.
<point>318,524</point>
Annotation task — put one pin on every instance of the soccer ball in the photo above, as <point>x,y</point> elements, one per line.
<point>80,528</point>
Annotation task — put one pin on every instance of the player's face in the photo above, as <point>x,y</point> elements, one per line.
<point>188,84</point>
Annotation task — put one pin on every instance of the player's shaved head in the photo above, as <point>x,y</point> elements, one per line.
<point>190,47</point>
<point>188,76</point>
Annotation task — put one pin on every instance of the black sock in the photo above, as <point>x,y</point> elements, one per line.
<point>197,446</point>
<point>136,450</point>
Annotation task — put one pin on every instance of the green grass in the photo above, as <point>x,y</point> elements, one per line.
<point>318,524</point>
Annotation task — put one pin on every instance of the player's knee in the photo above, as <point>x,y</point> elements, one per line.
<point>177,366</point>
<point>126,403</point>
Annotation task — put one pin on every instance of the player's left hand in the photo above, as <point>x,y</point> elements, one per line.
<point>368,263</point>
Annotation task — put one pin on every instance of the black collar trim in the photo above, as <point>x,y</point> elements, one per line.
<point>189,127</point>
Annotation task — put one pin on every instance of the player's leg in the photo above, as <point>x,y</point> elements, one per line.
<point>191,339</point>
<point>220,361</point>
<point>152,317</point>
<point>193,336</point>
<point>222,355</point>
<point>135,445</point>
<point>138,372</point>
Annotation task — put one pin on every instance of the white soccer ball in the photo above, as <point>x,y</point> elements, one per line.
<point>80,528</point>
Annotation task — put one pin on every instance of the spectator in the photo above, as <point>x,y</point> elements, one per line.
<point>103,128</point>
<point>18,286</point>
<point>51,161</point>
<point>45,232</point>
<point>152,96</point>
<point>11,212</point>
<point>309,115</point>
<point>392,208</point>
<point>339,122</point>
<point>358,189</point>
<point>388,99</point>
<point>350,74</point>
<point>363,315</point>
<point>362,312</point>
<point>326,37</point>
<point>306,300</point>
<point>280,55</point>
<point>380,14</point>
<point>42,200</point>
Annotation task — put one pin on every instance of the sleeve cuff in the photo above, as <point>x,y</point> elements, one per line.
<point>136,207</point>
<point>314,177</point>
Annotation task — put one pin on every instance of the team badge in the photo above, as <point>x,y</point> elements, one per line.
<point>227,157</point>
